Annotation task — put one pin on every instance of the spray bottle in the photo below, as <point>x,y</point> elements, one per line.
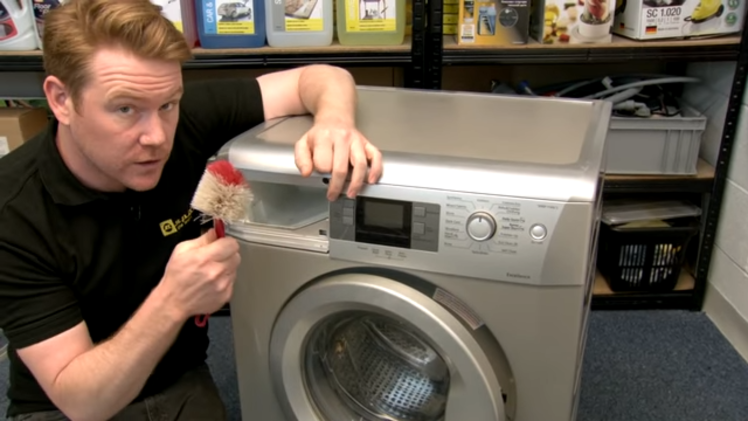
<point>17,31</point>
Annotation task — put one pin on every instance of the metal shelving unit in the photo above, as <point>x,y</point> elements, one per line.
<point>410,55</point>
<point>709,183</point>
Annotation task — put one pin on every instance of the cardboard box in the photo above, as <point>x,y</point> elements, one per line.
<point>573,21</point>
<point>657,19</point>
<point>18,125</point>
<point>496,22</point>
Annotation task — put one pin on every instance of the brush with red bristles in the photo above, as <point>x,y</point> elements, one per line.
<point>222,195</point>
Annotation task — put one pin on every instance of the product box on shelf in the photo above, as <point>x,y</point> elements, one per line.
<point>659,19</point>
<point>573,21</point>
<point>493,22</point>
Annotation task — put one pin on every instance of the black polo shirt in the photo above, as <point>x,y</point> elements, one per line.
<point>69,254</point>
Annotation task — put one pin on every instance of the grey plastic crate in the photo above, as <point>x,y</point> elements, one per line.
<point>660,145</point>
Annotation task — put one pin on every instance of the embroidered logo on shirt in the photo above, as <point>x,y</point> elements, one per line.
<point>172,226</point>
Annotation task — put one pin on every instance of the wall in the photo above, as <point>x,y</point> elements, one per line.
<point>727,295</point>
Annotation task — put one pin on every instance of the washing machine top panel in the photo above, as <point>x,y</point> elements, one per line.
<point>462,126</point>
<point>492,144</point>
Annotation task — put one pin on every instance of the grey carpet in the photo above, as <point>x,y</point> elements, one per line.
<point>639,365</point>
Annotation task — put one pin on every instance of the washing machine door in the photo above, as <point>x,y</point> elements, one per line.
<point>362,346</point>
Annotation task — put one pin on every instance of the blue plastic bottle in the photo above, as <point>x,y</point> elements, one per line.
<point>230,23</point>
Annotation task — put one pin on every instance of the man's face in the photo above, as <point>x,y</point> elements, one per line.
<point>126,118</point>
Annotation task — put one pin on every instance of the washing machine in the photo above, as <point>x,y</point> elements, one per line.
<point>457,288</point>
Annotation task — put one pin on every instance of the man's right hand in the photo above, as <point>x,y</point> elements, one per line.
<point>199,277</point>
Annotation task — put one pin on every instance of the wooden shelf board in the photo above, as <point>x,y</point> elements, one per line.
<point>335,48</point>
<point>704,171</point>
<point>450,43</point>
<point>620,50</point>
<point>686,282</point>
<point>254,57</point>
<point>701,182</point>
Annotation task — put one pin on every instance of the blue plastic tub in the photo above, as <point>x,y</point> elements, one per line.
<point>230,23</point>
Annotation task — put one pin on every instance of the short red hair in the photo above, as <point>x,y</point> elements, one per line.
<point>74,31</point>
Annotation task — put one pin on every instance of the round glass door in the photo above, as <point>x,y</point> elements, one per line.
<point>378,367</point>
<point>364,347</point>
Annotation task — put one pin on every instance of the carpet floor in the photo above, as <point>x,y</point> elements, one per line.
<point>639,365</point>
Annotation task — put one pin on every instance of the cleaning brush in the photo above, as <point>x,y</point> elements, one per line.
<point>222,195</point>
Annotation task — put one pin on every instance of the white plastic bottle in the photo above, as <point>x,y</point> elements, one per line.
<point>17,27</point>
<point>299,23</point>
<point>41,8</point>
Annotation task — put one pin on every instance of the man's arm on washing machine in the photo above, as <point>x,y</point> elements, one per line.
<point>327,92</point>
<point>334,143</point>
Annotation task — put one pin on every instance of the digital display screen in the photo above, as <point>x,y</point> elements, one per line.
<point>384,222</point>
<point>384,215</point>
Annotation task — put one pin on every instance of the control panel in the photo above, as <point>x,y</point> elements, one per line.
<point>386,222</point>
<point>462,234</point>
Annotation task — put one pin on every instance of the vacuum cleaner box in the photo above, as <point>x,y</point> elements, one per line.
<point>573,21</point>
<point>658,19</point>
<point>493,22</point>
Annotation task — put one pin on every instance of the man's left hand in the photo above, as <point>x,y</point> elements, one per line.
<point>333,149</point>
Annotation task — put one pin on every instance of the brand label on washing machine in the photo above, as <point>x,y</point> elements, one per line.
<point>458,307</point>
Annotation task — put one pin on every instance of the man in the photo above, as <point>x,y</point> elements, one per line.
<point>102,262</point>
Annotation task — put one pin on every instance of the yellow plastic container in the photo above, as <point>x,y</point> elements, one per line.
<point>371,22</point>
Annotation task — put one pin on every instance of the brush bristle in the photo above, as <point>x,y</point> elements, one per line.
<point>224,170</point>
<point>222,193</point>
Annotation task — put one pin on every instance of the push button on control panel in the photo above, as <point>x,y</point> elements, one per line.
<point>418,228</point>
<point>538,232</point>
<point>348,212</point>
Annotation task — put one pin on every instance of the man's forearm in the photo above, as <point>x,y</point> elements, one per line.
<point>99,383</point>
<point>329,93</point>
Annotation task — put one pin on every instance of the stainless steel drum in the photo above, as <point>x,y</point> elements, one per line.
<point>380,367</point>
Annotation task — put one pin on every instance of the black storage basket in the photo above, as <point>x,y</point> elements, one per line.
<point>643,259</point>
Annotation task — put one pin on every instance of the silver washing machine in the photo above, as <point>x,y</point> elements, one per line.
<point>456,289</point>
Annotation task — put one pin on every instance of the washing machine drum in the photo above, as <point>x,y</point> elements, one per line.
<point>379,367</point>
<point>355,347</point>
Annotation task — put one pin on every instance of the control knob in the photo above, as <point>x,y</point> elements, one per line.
<point>481,226</point>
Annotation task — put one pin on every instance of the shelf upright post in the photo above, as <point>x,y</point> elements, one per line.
<point>415,73</point>
<point>716,195</point>
<point>434,44</point>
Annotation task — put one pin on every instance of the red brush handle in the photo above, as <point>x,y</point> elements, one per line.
<point>202,319</point>
<point>220,228</point>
